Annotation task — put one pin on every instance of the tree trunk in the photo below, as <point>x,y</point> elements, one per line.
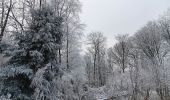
<point>40,4</point>
<point>94,65</point>
<point>147,94</point>
<point>59,51</point>
<point>2,14</point>
<point>4,24</point>
<point>67,49</point>
<point>123,59</point>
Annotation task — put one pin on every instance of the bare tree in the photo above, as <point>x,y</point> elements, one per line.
<point>164,23</point>
<point>149,41</point>
<point>120,52</point>
<point>96,41</point>
<point>69,11</point>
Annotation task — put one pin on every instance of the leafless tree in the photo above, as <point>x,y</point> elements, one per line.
<point>164,23</point>
<point>149,41</point>
<point>120,52</point>
<point>96,41</point>
<point>69,11</point>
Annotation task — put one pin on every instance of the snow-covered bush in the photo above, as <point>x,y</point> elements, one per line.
<point>45,85</point>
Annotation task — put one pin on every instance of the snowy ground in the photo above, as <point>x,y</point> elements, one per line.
<point>99,94</point>
<point>154,96</point>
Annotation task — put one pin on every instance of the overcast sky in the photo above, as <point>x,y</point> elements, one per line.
<point>120,16</point>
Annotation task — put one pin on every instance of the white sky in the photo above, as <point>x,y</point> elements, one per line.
<point>114,17</point>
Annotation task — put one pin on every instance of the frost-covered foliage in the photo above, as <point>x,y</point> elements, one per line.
<point>36,47</point>
<point>12,71</point>
<point>43,37</point>
<point>45,83</point>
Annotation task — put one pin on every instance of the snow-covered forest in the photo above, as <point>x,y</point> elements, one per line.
<point>41,56</point>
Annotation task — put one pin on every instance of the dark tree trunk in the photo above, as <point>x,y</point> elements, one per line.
<point>67,49</point>
<point>4,24</point>
<point>59,51</point>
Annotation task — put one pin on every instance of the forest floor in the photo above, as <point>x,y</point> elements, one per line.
<point>101,95</point>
